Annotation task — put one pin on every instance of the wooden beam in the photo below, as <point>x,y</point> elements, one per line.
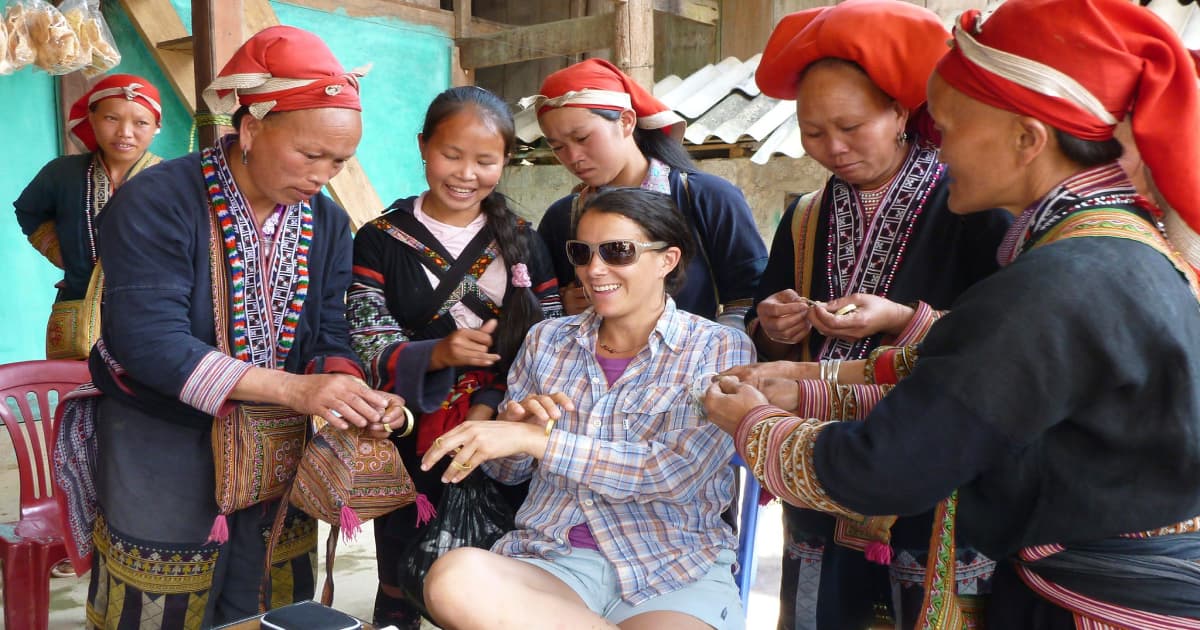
<point>217,34</point>
<point>409,12</point>
<point>183,44</point>
<point>633,39</point>
<point>156,21</point>
<point>703,11</point>
<point>462,28</point>
<point>537,41</point>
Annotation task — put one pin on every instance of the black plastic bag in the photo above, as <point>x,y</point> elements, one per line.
<point>472,513</point>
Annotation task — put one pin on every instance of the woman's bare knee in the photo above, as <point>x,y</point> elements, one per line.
<point>450,578</point>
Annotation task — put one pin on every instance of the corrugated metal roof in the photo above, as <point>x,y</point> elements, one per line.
<point>722,105</point>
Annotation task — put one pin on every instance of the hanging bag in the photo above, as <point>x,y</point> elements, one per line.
<point>472,513</point>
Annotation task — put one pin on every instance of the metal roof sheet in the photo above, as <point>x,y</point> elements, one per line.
<point>722,104</point>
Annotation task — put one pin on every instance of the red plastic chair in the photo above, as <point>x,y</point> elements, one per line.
<point>30,547</point>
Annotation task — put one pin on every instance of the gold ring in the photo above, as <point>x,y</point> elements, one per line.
<point>461,466</point>
<point>387,427</point>
<point>438,441</point>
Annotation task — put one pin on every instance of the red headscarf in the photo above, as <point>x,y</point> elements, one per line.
<point>896,43</point>
<point>1080,66</point>
<point>281,69</point>
<point>597,84</point>
<point>127,86</point>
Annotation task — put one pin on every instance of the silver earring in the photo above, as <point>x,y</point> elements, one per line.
<point>901,138</point>
<point>245,156</point>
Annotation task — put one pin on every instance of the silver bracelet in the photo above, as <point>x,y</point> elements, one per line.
<point>830,369</point>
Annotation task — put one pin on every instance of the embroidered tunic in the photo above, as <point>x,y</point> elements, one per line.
<point>1059,396</point>
<point>912,248</point>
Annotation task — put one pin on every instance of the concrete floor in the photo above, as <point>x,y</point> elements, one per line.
<point>355,565</point>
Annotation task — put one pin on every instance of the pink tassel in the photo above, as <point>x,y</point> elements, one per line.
<point>349,522</point>
<point>219,532</point>
<point>879,552</point>
<point>425,510</point>
<point>765,496</point>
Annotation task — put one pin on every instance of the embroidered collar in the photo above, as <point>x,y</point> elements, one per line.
<point>1105,185</point>
<point>267,293</point>
<point>865,250</point>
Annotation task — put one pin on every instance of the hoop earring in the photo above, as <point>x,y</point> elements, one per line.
<point>901,138</point>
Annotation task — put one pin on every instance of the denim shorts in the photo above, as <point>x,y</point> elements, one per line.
<point>713,599</point>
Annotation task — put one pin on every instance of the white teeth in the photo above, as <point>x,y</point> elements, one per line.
<point>601,288</point>
<point>461,191</point>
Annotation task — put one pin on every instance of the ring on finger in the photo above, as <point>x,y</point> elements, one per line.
<point>461,466</point>
<point>387,427</point>
<point>335,413</point>
<point>438,441</point>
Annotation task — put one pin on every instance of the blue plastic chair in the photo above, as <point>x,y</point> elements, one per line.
<point>747,528</point>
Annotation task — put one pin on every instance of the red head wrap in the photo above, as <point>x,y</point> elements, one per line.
<point>1079,66</point>
<point>597,84</point>
<point>282,69</point>
<point>127,86</point>
<point>896,43</point>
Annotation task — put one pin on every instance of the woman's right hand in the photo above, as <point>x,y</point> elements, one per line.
<point>342,399</point>
<point>783,317</point>
<point>574,299</point>
<point>465,347</point>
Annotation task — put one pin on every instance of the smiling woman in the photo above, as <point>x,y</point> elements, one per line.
<point>446,284</point>
<point>599,416</point>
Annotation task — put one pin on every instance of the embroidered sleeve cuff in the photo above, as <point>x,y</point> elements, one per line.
<point>922,320</point>
<point>209,385</point>
<point>779,450</point>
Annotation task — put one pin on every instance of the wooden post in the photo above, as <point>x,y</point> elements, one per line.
<point>633,39</point>
<point>70,88</point>
<point>462,28</point>
<point>579,8</point>
<point>217,33</point>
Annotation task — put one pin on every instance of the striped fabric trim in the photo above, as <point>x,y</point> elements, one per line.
<point>922,320</point>
<point>1095,614</point>
<point>211,382</point>
<point>779,450</point>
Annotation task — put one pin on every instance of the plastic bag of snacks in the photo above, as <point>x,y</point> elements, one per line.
<point>18,51</point>
<point>91,28</point>
<point>56,44</point>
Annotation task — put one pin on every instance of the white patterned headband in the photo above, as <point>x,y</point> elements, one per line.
<point>1031,75</point>
<point>130,92</point>
<point>265,83</point>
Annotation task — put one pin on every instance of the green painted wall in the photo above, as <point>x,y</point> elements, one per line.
<point>30,130</point>
<point>411,64</point>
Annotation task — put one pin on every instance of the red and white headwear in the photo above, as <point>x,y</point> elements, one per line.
<point>1080,66</point>
<point>127,86</point>
<point>896,43</point>
<point>282,69</point>
<point>597,84</point>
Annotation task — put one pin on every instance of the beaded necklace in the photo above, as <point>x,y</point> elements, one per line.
<point>242,347</point>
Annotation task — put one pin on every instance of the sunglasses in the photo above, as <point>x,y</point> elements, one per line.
<point>619,253</point>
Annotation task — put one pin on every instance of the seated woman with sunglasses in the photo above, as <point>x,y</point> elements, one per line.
<point>622,527</point>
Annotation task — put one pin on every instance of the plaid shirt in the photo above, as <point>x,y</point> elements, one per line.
<point>636,462</point>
